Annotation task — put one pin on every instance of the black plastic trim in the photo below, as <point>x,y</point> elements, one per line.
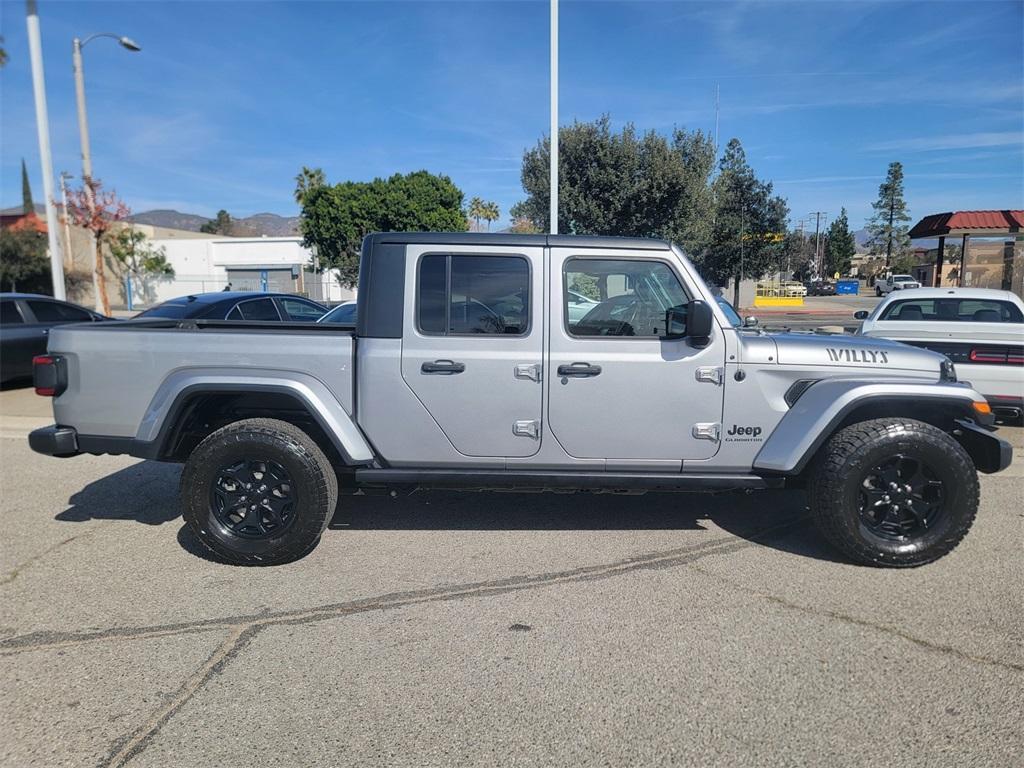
<point>54,440</point>
<point>381,289</point>
<point>511,239</point>
<point>989,453</point>
<point>489,478</point>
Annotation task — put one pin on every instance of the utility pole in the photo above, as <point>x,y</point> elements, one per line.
<point>64,176</point>
<point>35,48</point>
<point>718,93</point>
<point>818,266</point>
<point>553,214</point>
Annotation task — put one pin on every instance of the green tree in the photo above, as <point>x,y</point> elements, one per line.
<point>23,259</point>
<point>3,53</point>
<point>336,218</point>
<point>27,205</point>
<point>222,225</point>
<point>623,183</point>
<point>134,256</point>
<point>840,246</point>
<point>888,228</point>
<point>747,237</point>
<point>306,180</point>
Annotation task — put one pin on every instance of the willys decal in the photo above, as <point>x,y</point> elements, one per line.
<point>870,356</point>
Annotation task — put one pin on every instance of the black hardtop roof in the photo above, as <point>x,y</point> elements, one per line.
<point>513,239</point>
<point>215,296</point>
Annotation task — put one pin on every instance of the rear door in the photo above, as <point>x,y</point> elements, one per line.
<point>20,341</point>
<point>472,350</point>
<point>615,389</point>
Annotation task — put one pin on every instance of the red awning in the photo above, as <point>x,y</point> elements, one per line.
<point>969,222</point>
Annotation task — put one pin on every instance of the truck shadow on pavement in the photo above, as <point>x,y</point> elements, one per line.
<point>147,493</point>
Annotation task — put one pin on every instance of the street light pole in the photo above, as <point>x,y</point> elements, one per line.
<point>43,130</point>
<point>83,129</point>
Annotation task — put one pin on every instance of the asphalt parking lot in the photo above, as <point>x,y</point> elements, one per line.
<point>486,629</point>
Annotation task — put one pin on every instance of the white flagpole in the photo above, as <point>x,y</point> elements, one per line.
<point>553,215</point>
<point>35,49</point>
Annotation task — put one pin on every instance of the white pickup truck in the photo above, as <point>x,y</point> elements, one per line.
<point>889,283</point>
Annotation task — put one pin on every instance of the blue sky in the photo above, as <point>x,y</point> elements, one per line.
<point>228,99</point>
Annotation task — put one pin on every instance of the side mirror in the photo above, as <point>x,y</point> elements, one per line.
<point>693,321</point>
<point>751,322</point>
<point>861,314</point>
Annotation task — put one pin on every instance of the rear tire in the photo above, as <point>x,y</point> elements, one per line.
<point>878,291</point>
<point>258,492</point>
<point>893,492</point>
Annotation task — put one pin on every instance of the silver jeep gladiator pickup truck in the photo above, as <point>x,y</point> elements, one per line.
<point>472,364</point>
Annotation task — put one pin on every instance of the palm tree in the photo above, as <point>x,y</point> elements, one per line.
<point>306,180</point>
<point>491,213</point>
<point>477,211</point>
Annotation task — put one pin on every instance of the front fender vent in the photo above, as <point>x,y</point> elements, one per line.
<point>796,389</point>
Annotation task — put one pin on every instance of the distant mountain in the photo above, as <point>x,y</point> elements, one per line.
<point>163,217</point>
<point>861,236</point>
<point>269,224</point>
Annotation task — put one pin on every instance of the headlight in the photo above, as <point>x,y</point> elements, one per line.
<point>947,371</point>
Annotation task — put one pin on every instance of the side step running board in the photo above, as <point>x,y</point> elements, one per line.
<point>486,478</point>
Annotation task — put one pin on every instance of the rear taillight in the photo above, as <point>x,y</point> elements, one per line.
<point>49,375</point>
<point>997,355</point>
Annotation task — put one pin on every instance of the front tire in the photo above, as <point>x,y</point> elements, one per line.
<point>258,492</point>
<point>893,492</point>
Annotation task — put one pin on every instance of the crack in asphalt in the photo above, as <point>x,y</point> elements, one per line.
<point>846,618</point>
<point>49,640</point>
<point>12,574</point>
<point>243,629</point>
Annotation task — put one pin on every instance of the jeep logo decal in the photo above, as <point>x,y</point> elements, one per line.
<point>739,434</point>
<point>873,356</point>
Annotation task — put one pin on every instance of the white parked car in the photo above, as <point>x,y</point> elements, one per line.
<point>981,330</point>
<point>890,283</point>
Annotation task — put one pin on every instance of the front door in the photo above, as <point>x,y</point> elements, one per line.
<point>616,390</point>
<point>472,349</point>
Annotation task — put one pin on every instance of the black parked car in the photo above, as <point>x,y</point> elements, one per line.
<point>820,288</point>
<point>25,323</point>
<point>239,305</point>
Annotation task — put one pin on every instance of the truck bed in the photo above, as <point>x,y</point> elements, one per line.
<point>118,372</point>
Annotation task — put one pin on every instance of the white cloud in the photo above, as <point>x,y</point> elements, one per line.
<point>951,141</point>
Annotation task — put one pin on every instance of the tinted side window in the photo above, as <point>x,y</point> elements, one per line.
<point>258,309</point>
<point>631,296</point>
<point>470,295</point>
<point>301,311</point>
<point>52,312</point>
<point>954,310</point>
<point>9,314</point>
<point>172,311</point>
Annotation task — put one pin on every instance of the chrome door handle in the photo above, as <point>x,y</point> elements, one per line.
<point>579,370</point>
<point>447,367</point>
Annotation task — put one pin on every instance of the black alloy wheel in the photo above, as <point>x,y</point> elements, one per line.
<point>258,492</point>
<point>253,498</point>
<point>901,498</point>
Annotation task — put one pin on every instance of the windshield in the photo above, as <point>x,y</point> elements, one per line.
<point>903,279</point>
<point>731,314</point>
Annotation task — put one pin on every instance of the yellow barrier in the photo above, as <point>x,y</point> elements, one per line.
<point>778,301</point>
